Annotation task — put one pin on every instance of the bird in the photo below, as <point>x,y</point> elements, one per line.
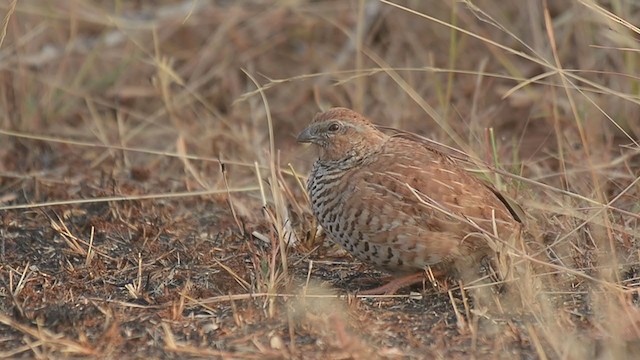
<point>399,204</point>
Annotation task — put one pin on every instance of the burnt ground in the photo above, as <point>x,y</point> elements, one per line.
<point>162,278</point>
<point>197,292</point>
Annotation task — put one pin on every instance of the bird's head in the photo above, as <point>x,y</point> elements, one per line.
<point>341,134</point>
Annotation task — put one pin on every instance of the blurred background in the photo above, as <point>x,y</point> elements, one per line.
<point>149,73</point>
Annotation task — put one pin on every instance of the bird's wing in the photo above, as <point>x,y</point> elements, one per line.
<point>412,192</point>
<point>392,221</point>
<point>463,160</point>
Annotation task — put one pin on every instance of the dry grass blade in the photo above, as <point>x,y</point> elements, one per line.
<point>16,288</point>
<point>51,139</point>
<point>72,241</point>
<point>241,281</point>
<point>46,338</point>
<point>135,288</point>
<point>130,198</point>
<point>223,171</point>
<point>182,151</point>
<point>5,21</point>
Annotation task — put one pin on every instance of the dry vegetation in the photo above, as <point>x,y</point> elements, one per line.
<point>150,186</point>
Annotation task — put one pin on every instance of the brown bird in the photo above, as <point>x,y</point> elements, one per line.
<point>398,204</point>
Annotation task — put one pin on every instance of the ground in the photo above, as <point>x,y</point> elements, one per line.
<point>151,191</point>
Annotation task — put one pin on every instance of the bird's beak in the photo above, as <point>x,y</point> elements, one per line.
<point>306,136</point>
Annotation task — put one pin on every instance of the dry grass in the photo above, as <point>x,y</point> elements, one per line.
<point>151,195</point>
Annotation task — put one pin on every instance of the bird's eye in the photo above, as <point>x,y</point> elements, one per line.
<point>334,127</point>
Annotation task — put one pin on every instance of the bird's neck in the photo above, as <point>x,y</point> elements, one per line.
<point>351,160</point>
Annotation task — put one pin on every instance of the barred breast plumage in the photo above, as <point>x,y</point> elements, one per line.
<point>395,203</point>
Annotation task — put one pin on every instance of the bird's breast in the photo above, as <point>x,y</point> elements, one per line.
<point>347,219</point>
<point>329,190</point>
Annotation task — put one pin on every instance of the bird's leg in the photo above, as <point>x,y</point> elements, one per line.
<point>394,285</point>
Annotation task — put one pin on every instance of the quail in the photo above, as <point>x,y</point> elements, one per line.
<point>399,204</point>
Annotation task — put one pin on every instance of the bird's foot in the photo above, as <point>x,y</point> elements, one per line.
<point>394,285</point>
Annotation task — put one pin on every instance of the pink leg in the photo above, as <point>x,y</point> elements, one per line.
<point>394,285</point>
